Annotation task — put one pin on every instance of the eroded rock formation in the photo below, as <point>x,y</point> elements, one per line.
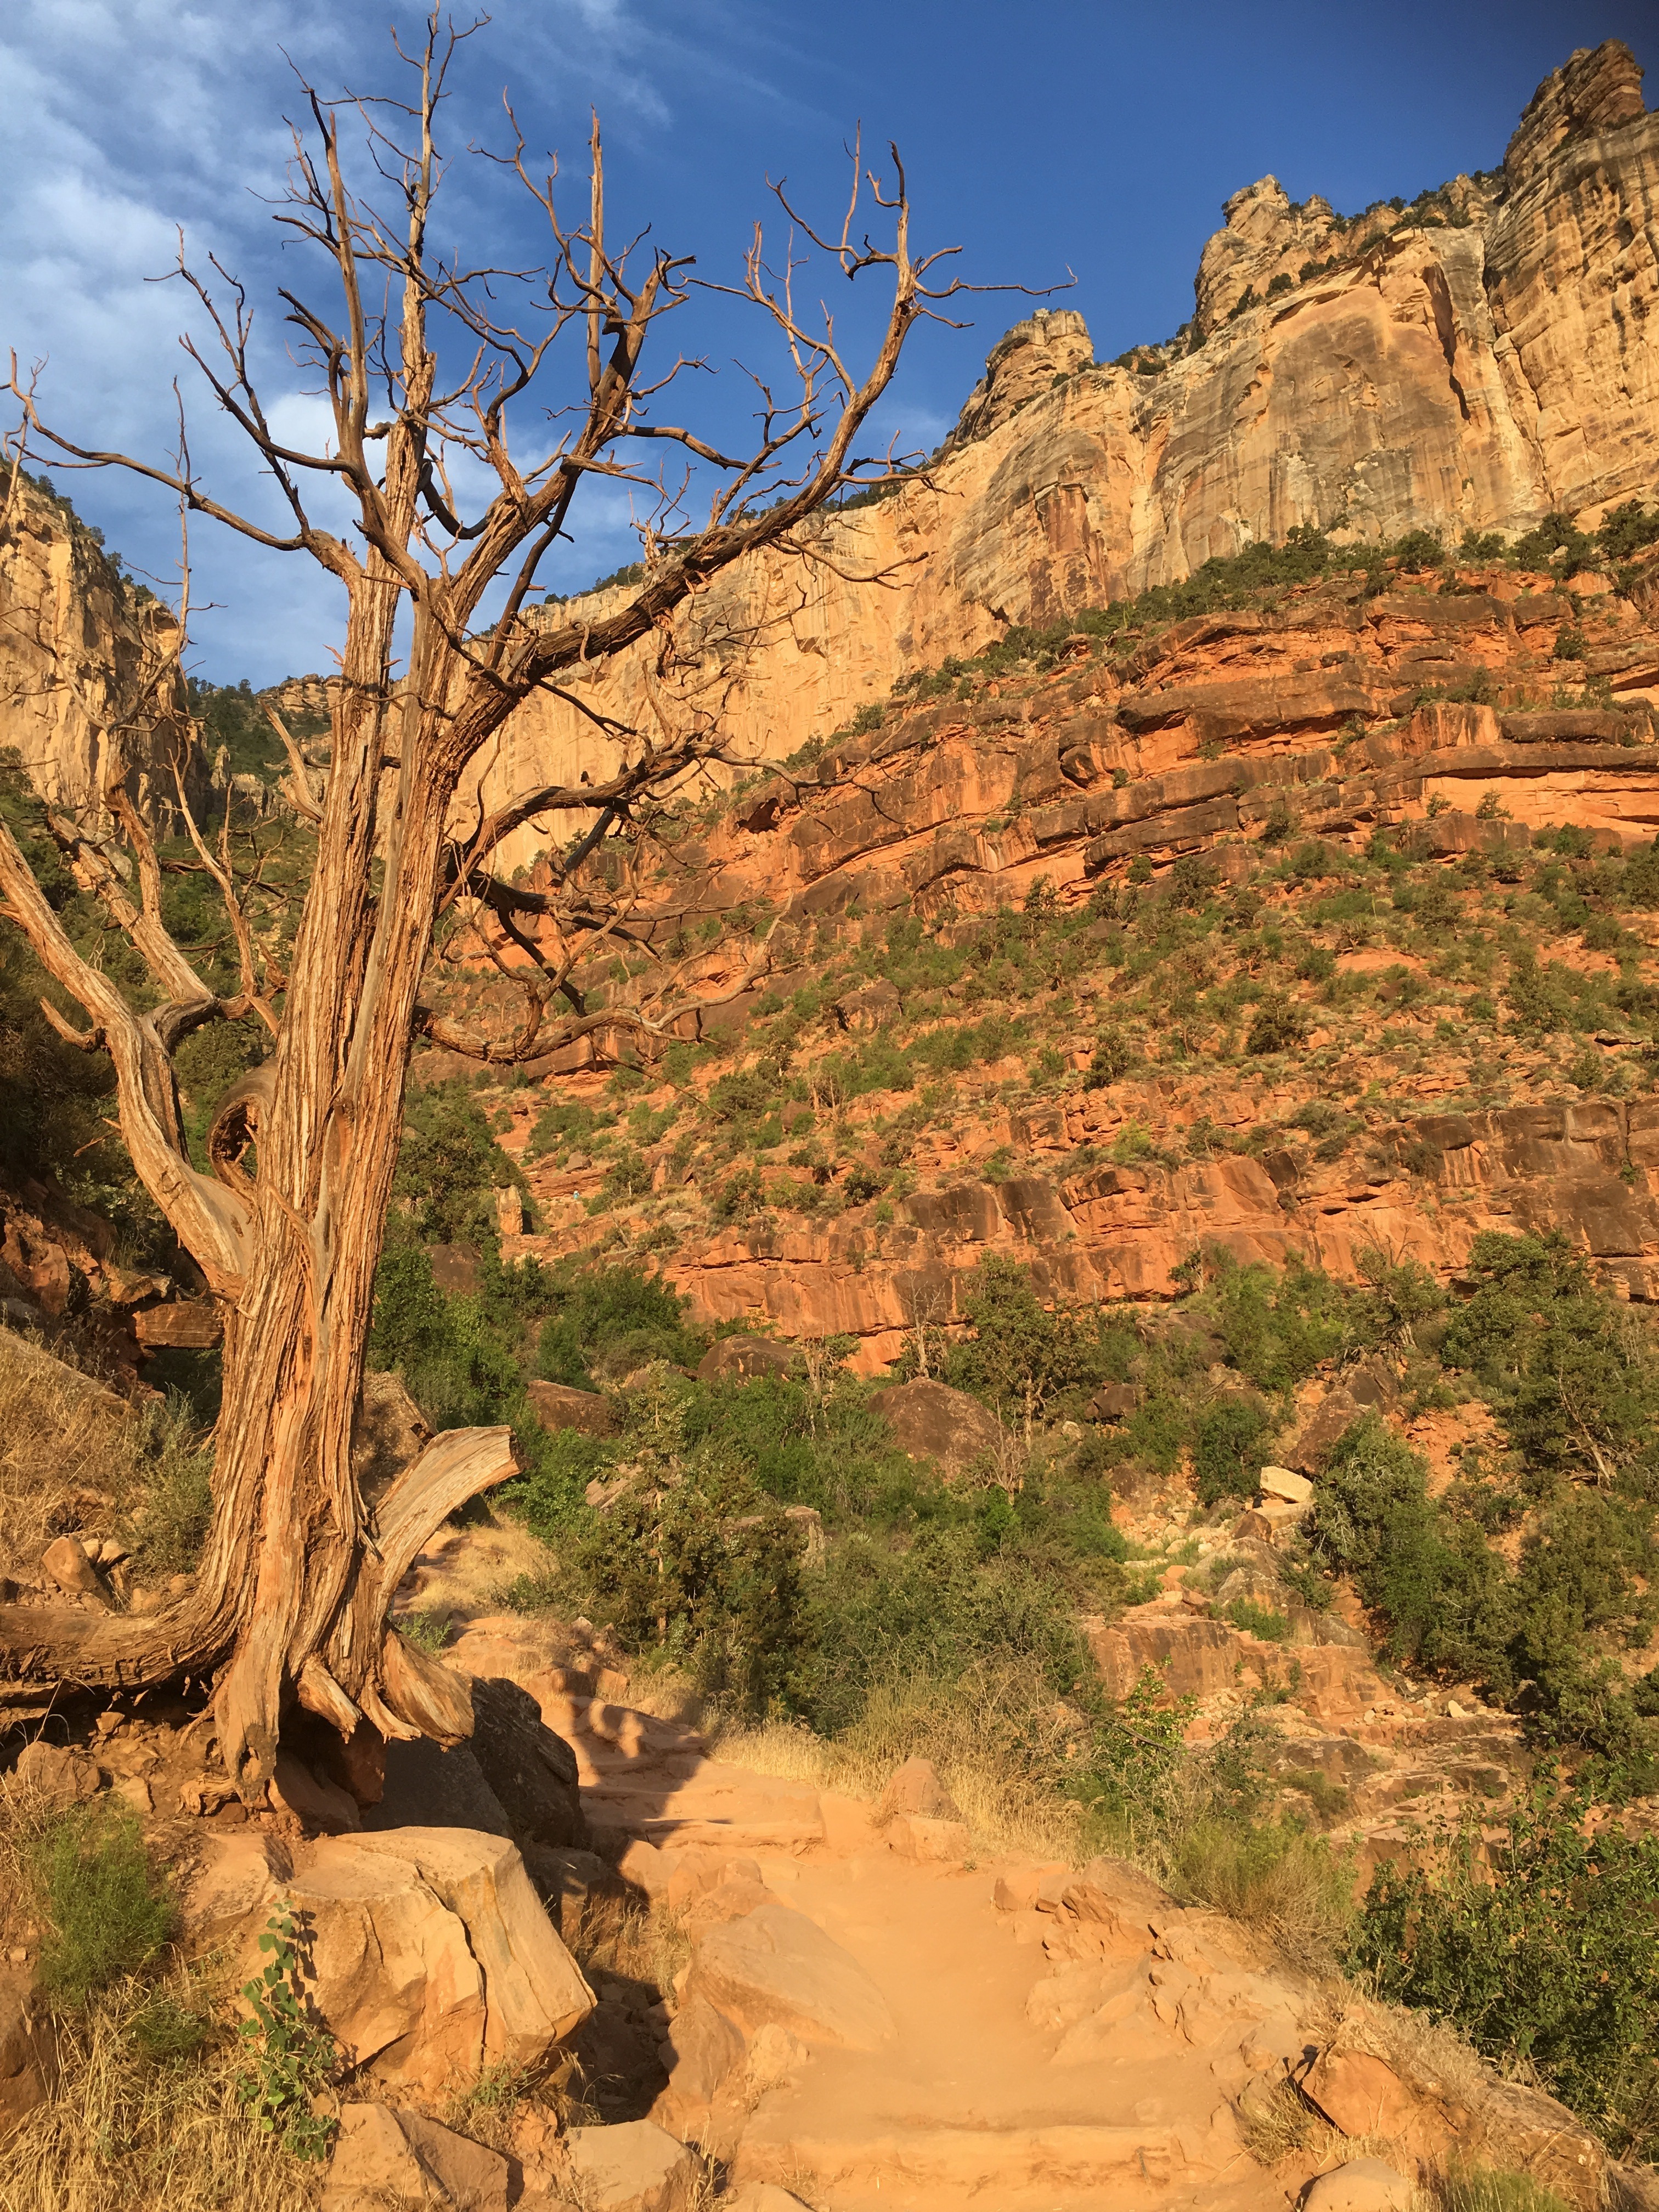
<point>75,642</point>
<point>1473,362</point>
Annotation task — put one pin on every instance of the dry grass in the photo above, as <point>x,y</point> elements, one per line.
<point>24,1818</point>
<point>1289,1887</point>
<point>610,1935</point>
<point>996,1740</point>
<point>123,2129</point>
<point>488,2111</point>
<point>67,1442</point>
<point>1430,2053</point>
<point>1283,2124</point>
<point>60,1432</point>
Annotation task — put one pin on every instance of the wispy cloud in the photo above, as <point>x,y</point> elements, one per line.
<point>128,121</point>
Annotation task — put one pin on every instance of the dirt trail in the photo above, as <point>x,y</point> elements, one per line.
<point>874,2019</point>
<point>968,2102</point>
<point>1060,2040</point>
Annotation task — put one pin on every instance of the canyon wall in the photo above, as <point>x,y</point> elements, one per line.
<point>73,641</point>
<point>1225,740</point>
<point>1473,362</point>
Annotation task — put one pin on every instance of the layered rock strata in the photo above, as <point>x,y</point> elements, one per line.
<point>1473,362</point>
<point>1225,738</point>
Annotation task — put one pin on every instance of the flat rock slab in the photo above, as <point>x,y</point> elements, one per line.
<point>384,2157</point>
<point>651,1780</point>
<point>1000,2166</point>
<point>635,2166</point>
<point>723,1808</point>
<point>775,1967</point>
<point>1363,2185</point>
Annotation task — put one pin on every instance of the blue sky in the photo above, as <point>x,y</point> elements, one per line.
<point>1085,137</point>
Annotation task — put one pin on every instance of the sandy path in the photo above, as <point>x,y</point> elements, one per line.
<point>967,2105</point>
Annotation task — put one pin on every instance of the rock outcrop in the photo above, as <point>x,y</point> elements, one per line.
<point>1217,743</point>
<point>1471,361</point>
<point>74,639</point>
<point>426,1951</point>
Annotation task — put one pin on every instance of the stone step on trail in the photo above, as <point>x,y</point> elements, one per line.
<point>968,2102</point>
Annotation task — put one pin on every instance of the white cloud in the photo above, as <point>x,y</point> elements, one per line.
<point>125,120</point>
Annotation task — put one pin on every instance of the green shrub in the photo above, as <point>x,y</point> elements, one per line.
<point>1444,1597</point>
<point>1573,1380</point>
<point>1417,549</point>
<point>1229,1446</point>
<point>1539,999</point>
<point>1548,1954</point>
<point>1279,1025</point>
<point>1022,1355</point>
<point>615,1319</point>
<point>459,1369</point>
<point>171,1524</point>
<point>1556,534</point>
<point>450,1167</point>
<point>935,1610</point>
<point>1275,1875</point>
<point>1258,1620</point>
<point>1277,1327</point>
<point>1114,1056</point>
<point>1626,529</point>
<point>106,1916</point>
<point>291,2056</point>
<point>698,1564</point>
<point>560,1122</point>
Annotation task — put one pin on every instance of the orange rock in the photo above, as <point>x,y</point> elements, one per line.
<point>1358,2094</point>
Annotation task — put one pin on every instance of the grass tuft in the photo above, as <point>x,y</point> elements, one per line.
<point>139,2120</point>
<point>107,1918</point>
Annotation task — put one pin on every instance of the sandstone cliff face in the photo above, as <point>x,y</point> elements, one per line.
<point>1480,365</point>
<point>72,639</point>
<point>1224,737</point>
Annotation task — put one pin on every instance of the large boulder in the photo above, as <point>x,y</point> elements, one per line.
<point>531,1771</point>
<point>513,1777</point>
<point>430,1958</point>
<point>388,1433</point>
<point>740,1359</point>
<point>929,1420</point>
<point>556,1406</point>
<point>775,1967</point>
<point>384,2157</point>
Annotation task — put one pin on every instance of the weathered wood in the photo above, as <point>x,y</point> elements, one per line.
<point>291,1594</point>
<point>184,1324</point>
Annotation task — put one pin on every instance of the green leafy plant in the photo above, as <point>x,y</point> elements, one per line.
<point>291,2057</point>
<point>107,1915</point>
<point>1547,1949</point>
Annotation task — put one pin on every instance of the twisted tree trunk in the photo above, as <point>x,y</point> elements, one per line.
<point>291,1597</point>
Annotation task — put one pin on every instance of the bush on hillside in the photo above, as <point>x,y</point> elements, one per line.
<point>613,1319</point>
<point>1546,1950</point>
<point>1024,1356</point>
<point>107,1915</point>
<point>449,1168</point>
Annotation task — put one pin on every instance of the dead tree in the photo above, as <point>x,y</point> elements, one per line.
<point>431,369</point>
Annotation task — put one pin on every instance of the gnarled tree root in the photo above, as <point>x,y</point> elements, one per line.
<point>359,1668</point>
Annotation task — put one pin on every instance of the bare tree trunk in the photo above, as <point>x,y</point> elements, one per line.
<point>291,1597</point>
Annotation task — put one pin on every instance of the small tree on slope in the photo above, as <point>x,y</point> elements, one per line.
<point>291,1597</point>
